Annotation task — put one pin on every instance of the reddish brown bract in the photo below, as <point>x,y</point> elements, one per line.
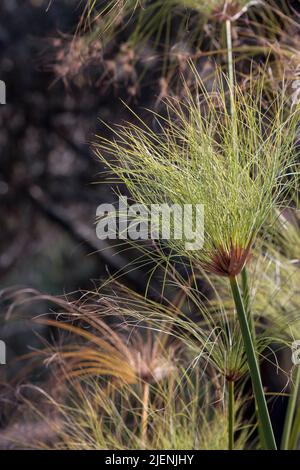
<point>230,262</point>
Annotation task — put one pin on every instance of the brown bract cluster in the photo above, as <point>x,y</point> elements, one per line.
<point>230,262</point>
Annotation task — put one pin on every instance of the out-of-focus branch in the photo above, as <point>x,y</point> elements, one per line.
<point>113,261</point>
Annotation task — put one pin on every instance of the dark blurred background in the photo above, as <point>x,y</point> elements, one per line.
<point>47,168</point>
<point>47,197</point>
<point>57,96</point>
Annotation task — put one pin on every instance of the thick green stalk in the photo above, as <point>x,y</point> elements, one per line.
<point>290,412</point>
<point>245,289</point>
<point>246,299</point>
<point>262,409</point>
<point>230,415</point>
<point>295,434</point>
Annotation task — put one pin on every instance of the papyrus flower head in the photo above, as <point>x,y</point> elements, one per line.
<point>239,163</point>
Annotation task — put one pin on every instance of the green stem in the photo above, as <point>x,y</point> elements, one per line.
<point>230,63</point>
<point>231,87</point>
<point>246,299</point>
<point>263,413</point>
<point>230,415</point>
<point>295,434</point>
<point>245,289</point>
<point>290,413</point>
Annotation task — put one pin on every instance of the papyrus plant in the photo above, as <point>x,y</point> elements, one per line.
<point>276,299</point>
<point>173,30</point>
<point>238,162</point>
<point>103,345</point>
<point>98,418</point>
<point>149,18</point>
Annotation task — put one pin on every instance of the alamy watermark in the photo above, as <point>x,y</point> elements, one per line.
<point>2,353</point>
<point>2,92</point>
<point>155,221</point>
